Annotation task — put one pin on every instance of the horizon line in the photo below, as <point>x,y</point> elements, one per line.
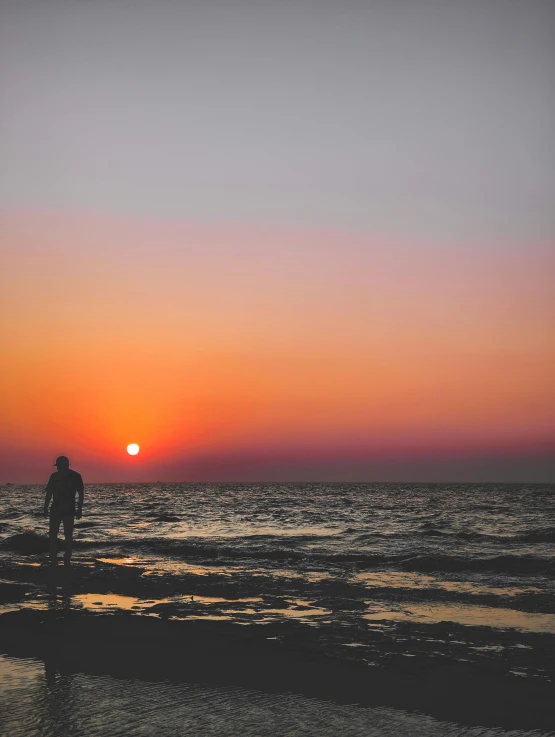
<point>315,481</point>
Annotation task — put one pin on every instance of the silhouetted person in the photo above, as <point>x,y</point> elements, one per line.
<point>62,487</point>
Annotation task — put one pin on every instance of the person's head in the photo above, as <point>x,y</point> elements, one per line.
<point>62,463</point>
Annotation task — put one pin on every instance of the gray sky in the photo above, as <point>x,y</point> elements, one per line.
<point>419,118</point>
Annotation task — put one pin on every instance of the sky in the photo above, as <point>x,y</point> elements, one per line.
<point>278,241</point>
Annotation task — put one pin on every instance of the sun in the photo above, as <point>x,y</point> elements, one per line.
<point>132,449</point>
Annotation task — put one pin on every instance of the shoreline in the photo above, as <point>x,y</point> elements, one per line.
<point>270,658</point>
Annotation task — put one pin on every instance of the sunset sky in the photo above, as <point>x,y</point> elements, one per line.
<point>300,240</point>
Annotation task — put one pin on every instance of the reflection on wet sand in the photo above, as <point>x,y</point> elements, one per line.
<point>103,601</point>
<point>186,606</point>
<point>179,606</point>
<point>328,602</point>
<point>129,561</point>
<point>209,617</point>
<point>296,609</point>
<point>402,579</point>
<point>467,615</point>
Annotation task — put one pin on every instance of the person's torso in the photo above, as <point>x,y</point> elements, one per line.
<point>64,489</point>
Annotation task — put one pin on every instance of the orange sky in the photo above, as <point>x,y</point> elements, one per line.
<point>232,340</point>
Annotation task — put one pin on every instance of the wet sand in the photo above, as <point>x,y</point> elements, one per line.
<point>325,639</point>
<point>272,659</point>
<point>36,701</point>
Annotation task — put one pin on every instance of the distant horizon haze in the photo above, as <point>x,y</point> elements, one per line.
<point>534,465</point>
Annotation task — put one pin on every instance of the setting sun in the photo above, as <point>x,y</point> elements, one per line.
<point>133,449</point>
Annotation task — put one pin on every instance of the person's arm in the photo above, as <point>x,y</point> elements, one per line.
<point>81,492</point>
<point>48,496</point>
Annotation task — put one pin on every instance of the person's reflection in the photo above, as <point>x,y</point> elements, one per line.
<point>58,599</point>
<point>50,673</point>
<point>58,708</point>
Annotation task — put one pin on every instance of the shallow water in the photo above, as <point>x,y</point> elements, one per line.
<point>38,702</point>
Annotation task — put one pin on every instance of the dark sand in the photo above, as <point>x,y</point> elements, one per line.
<point>126,645</point>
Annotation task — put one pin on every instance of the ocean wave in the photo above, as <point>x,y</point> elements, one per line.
<point>546,535</point>
<point>469,535</point>
<point>12,514</point>
<point>534,536</point>
<point>26,542</point>
<point>308,549</point>
<point>513,564</point>
<point>257,550</point>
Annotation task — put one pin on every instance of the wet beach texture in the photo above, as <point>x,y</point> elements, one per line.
<point>388,604</point>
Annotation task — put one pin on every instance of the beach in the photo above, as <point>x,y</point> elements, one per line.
<point>256,595</point>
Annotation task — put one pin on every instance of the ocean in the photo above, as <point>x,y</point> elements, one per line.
<point>378,572</point>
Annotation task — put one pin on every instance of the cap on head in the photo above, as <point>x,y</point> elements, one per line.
<point>62,461</point>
